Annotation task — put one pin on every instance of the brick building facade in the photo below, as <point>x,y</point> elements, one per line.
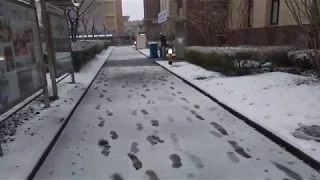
<point>265,22</point>
<point>106,14</point>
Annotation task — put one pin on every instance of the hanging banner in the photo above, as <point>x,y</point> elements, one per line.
<point>21,64</point>
<point>61,41</point>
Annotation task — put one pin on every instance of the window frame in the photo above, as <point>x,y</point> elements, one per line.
<point>179,5</point>
<point>250,14</point>
<point>273,10</point>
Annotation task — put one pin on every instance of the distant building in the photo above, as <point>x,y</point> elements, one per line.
<point>257,22</point>
<point>265,22</point>
<point>151,10</point>
<point>106,14</point>
<point>178,26</point>
<point>133,27</point>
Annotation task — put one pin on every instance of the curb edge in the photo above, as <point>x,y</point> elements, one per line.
<point>142,53</point>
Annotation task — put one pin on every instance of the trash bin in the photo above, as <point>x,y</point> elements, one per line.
<point>153,47</point>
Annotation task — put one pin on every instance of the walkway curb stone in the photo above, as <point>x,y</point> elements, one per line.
<point>54,140</point>
<point>282,143</point>
<point>142,53</point>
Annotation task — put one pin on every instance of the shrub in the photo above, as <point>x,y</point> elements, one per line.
<point>237,60</point>
<point>278,55</point>
<point>85,51</point>
<point>303,59</point>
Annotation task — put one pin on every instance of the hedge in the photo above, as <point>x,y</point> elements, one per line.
<point>234,61</point>
<point>85,51</point>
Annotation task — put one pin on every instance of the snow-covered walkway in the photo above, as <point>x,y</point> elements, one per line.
<point>138,121</point>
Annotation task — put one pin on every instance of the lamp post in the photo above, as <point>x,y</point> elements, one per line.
<point>1,138</point>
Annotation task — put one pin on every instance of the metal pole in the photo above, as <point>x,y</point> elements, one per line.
<point>50,48</point>
<point>45,92</point>
<point>1,152</point>
<point>45,88</point>
<point>104,30</point>
<point>73,81</point>
<point>1,139</point>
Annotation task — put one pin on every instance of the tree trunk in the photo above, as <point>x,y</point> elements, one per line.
<point>72,31</point>
<point>92,30</point>
<point>76,29</point>
<point>86,31</point>
<point>85,28</point>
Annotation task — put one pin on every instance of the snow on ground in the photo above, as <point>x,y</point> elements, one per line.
<point>29,132</point>
<point>280,102</point>
<point>145,52</point>
<point>127,53</point>
<point>138,121</point>
<point>5,115</point>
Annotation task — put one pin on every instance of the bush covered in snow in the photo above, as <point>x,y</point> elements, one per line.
<point>238,60</point>
<point>84,51</point>
<point>303,58</point>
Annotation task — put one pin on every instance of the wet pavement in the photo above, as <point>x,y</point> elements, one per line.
<point>138,121</point>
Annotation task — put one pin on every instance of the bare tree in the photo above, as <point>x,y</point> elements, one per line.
<point>238,18</point>
<point>238,14</point>
<point>307,15</point>
<point>210,18</point>
<point>94,27</point>
<point>74,15</point>
<point>88,18</point>
<point>84,21</point>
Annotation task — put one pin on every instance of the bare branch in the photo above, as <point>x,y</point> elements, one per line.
<point>306,14</point>
<point>85,9</point>
<point>209,18</point>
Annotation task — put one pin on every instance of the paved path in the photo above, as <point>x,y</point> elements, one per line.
<point>138,121</point>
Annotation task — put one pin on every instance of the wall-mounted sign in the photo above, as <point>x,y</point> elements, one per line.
<point>162,17</point>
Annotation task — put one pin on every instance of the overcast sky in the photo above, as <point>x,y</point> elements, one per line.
<point>133,8</point>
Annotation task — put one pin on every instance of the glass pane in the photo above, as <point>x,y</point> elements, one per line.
<point>251,16</point>
<point>274,12</point>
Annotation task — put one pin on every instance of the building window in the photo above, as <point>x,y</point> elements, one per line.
<point>275,12</point>
<point>250,13</point>
<point>179,6</point>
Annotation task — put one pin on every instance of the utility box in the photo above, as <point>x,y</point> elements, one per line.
<point>141,42</point>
